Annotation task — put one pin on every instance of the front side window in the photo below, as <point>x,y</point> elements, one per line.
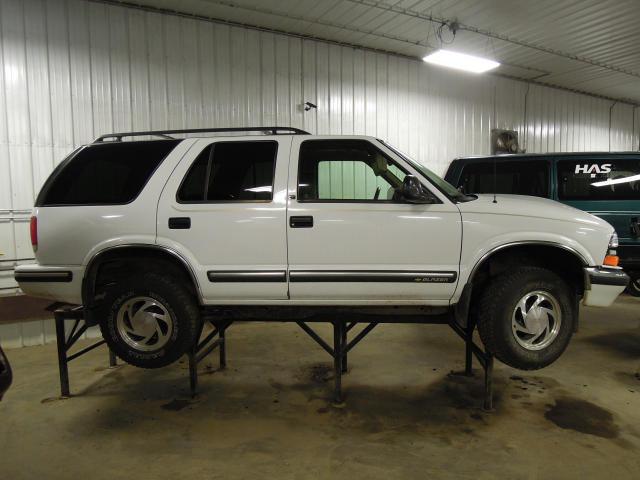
<point>347,170</point>
<point>231,171</point>
<point>584,179</point>
<point>517,177</point>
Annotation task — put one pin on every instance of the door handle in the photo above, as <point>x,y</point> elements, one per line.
<point>179,223</point>
<point>635,227</point>
<point>301,222</point>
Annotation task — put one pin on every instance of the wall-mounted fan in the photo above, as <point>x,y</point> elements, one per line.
<point>504,141</point>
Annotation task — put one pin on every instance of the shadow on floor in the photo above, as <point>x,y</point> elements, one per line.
<point>623,344</point>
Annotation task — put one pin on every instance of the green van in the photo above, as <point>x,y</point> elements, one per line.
<point>604,184</point>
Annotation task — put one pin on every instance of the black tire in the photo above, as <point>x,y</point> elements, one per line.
<point>498,317</point>
<point>167,299</point>
<point>633,288</point>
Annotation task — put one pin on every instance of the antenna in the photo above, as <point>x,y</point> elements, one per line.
<point>495,180</point>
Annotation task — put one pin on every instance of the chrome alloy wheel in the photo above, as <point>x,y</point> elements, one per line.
<point>144,323</point>
<point>536,320</point>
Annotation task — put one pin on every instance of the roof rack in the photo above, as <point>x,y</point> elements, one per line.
<point>167,133</point>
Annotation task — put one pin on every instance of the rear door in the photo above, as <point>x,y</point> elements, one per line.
<point>606,186</point>
<point>224,209</point>
<point>351,239</point>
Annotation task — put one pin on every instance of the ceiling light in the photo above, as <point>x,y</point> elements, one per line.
<point>461,61</point>
<point>616,181</point>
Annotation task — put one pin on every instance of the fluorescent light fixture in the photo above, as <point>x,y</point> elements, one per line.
<point>461,61</point>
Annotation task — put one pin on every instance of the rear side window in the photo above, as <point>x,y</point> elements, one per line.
<point>599,179</point>
<point>231,171</point>
<point>518,177</point>
<point>104,174</point>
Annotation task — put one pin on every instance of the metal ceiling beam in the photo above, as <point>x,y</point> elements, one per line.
<point>268,11</point>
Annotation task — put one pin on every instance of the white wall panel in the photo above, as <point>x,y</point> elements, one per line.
<point>37,332</point>
<point>636,129</point>
<point>621,137</point>
<point>71,70</point>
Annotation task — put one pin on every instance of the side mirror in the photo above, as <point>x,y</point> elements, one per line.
<point>414,192</point>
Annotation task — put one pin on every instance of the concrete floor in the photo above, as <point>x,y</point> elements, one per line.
<point>269,415</point>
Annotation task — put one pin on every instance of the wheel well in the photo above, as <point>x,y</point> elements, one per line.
<point>563,262</point>
<point>117,264</point>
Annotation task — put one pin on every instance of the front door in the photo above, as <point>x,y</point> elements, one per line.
<point>224,210</point>
<point>352,238</point>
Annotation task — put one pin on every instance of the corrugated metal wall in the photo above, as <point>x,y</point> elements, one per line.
<point>72,70</point>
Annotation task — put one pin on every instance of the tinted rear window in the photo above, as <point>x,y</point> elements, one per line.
<point>105,174</point>
<point>518,177</point>
<point>599,179</point>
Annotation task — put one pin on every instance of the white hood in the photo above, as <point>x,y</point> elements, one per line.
<point>532,207</point>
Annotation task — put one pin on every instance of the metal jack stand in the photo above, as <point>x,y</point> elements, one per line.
<point>341,346</point>
<point>66,342</point>
<point>204,347</point>
<point>217,338</point>
<point>485,359</point>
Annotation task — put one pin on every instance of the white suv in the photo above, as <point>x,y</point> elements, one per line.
<point>151,235</point>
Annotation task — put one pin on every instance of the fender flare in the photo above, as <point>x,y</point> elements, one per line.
<point>487,255</point>
<point>464,303</point>
<point>89,273</point>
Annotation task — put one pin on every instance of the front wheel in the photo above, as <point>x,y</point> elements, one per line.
<point>151,321</point>
<point>526,317</point>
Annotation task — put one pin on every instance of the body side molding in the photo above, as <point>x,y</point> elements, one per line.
<point>392,276</point>
<point>61,276</point>
<point>278,276</point>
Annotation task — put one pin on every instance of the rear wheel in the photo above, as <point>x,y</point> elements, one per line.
<point>151,321</point>
<point>526,317</point>
<point>634,285</point>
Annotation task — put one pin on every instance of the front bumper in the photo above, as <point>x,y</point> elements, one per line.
<point>602,285</point>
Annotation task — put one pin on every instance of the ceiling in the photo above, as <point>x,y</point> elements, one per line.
<point>591,46</point>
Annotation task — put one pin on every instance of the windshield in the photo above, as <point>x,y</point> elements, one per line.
<point>441,184</point>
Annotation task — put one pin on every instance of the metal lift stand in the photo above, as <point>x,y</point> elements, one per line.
<point>216,339</point>
<point>341,347</point>
<point>484,358</point>
<point>66,342</point>
<point>204,347</point>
